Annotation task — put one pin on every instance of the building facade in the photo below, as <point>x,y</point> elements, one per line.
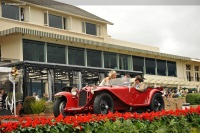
<point>57,45</point>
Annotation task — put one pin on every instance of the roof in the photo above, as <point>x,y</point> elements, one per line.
<point>70,9</point>
<point>64,66</point>
<point>85,41</point>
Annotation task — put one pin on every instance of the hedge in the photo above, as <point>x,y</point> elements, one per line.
<point>193,98</point>
<point>27,104</point>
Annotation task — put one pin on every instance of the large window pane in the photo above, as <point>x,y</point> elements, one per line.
<point>150,66</point>
<point>94,58</point>
<point>10,11</point>
<point>55,21</point>
<point>123,62</point>
<point>138,63</point>
<point>110,60</point>
<point>91,29</point>
<point>76,56</point>
<point>161,67</point>
<point>56,53</point>
<point>171,66</point>
<point>33,50</point>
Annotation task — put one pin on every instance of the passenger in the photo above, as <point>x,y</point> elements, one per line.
<point>126,79</point>
<point>106,81</point>
<point>139,84</point>
<point>4,95</point>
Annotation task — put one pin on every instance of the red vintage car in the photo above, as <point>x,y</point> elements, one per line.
<point>102,99</point>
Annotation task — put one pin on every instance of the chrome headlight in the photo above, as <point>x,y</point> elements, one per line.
<point>74,91</point>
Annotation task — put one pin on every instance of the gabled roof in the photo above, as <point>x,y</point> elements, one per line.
<point>70,9</point>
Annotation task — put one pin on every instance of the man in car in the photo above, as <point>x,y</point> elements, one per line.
<point>139,84</point>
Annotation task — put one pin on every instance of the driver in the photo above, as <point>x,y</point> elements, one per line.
<point>139,84</point>
<point>106,81</point>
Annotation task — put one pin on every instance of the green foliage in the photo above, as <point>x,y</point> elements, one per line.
<point>18,96</point>
<point>164,125</point>
<point>27,104</point>
<point>38,106</point>
<point>49,107</point>
<point>193,98</point>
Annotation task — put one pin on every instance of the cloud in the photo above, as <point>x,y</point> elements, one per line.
<point>174,29</point>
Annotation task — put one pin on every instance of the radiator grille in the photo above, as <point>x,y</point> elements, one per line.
<point>82,98</point>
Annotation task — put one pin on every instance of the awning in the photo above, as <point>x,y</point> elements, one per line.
<point>164,82</point>
<point>85,41</point>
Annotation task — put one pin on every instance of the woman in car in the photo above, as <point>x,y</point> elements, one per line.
<point>106,81</point>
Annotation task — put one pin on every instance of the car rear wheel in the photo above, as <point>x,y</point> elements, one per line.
<point>103,103</point>
<point>157,103</point>
<point>58,107</point>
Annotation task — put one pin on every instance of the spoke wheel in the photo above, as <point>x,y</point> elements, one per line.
<point>59,106</point>
<point>157,102</point>
<point>103,103</point>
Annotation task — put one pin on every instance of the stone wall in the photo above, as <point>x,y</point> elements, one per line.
<point>174,103</point>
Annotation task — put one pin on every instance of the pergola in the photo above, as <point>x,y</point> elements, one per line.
<point>172,83</point>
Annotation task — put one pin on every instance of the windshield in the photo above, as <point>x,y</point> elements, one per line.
<point>117,81</point>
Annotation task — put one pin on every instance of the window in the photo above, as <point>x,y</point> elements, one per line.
<point>138,63</point>
<point>110,60</point>
<point>197,72</point>
<point>91,29</point>
<point>171,67</point>
<point>33,50</point>
<point>188,72</point>
<point>188,75</point>
<point>161,67</point>
<point>197,76</point>
<point>188,67</point>
<point>94,58</point>
<point>10,11</point>
<point>76,56</point>
<point>56,53</point>
<point>150,66</point>
<point>123,62</point>
<point>55,21</point>
<point>22,14</point>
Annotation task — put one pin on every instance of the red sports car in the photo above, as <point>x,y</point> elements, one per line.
<point>102,99</point>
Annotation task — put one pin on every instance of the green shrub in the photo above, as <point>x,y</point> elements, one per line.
<point>38,106</point>
<point>193,98</point>
<point>27,104</point>
<point>49,107</point>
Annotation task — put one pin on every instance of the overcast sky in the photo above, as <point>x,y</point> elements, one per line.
<point>174,29</point>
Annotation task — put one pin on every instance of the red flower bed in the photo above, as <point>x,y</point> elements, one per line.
<point>10,123</point>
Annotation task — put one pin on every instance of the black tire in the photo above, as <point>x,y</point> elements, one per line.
<point>58,107</point>
<point>103,103</point>
<point>157,103</point>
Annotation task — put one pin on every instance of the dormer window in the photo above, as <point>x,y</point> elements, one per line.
<point>10,11</point>
<point>55,21</point>
<point>91,29</point>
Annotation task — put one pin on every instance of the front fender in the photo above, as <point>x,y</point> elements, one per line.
<point>72,101</point>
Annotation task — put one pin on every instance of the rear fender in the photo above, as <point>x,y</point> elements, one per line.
<point>152,93</point>
<point>72,101</point>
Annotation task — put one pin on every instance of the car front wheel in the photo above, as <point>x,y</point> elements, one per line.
<point>103,103</point>
<point>157,103</point>
<point>58,107</point>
